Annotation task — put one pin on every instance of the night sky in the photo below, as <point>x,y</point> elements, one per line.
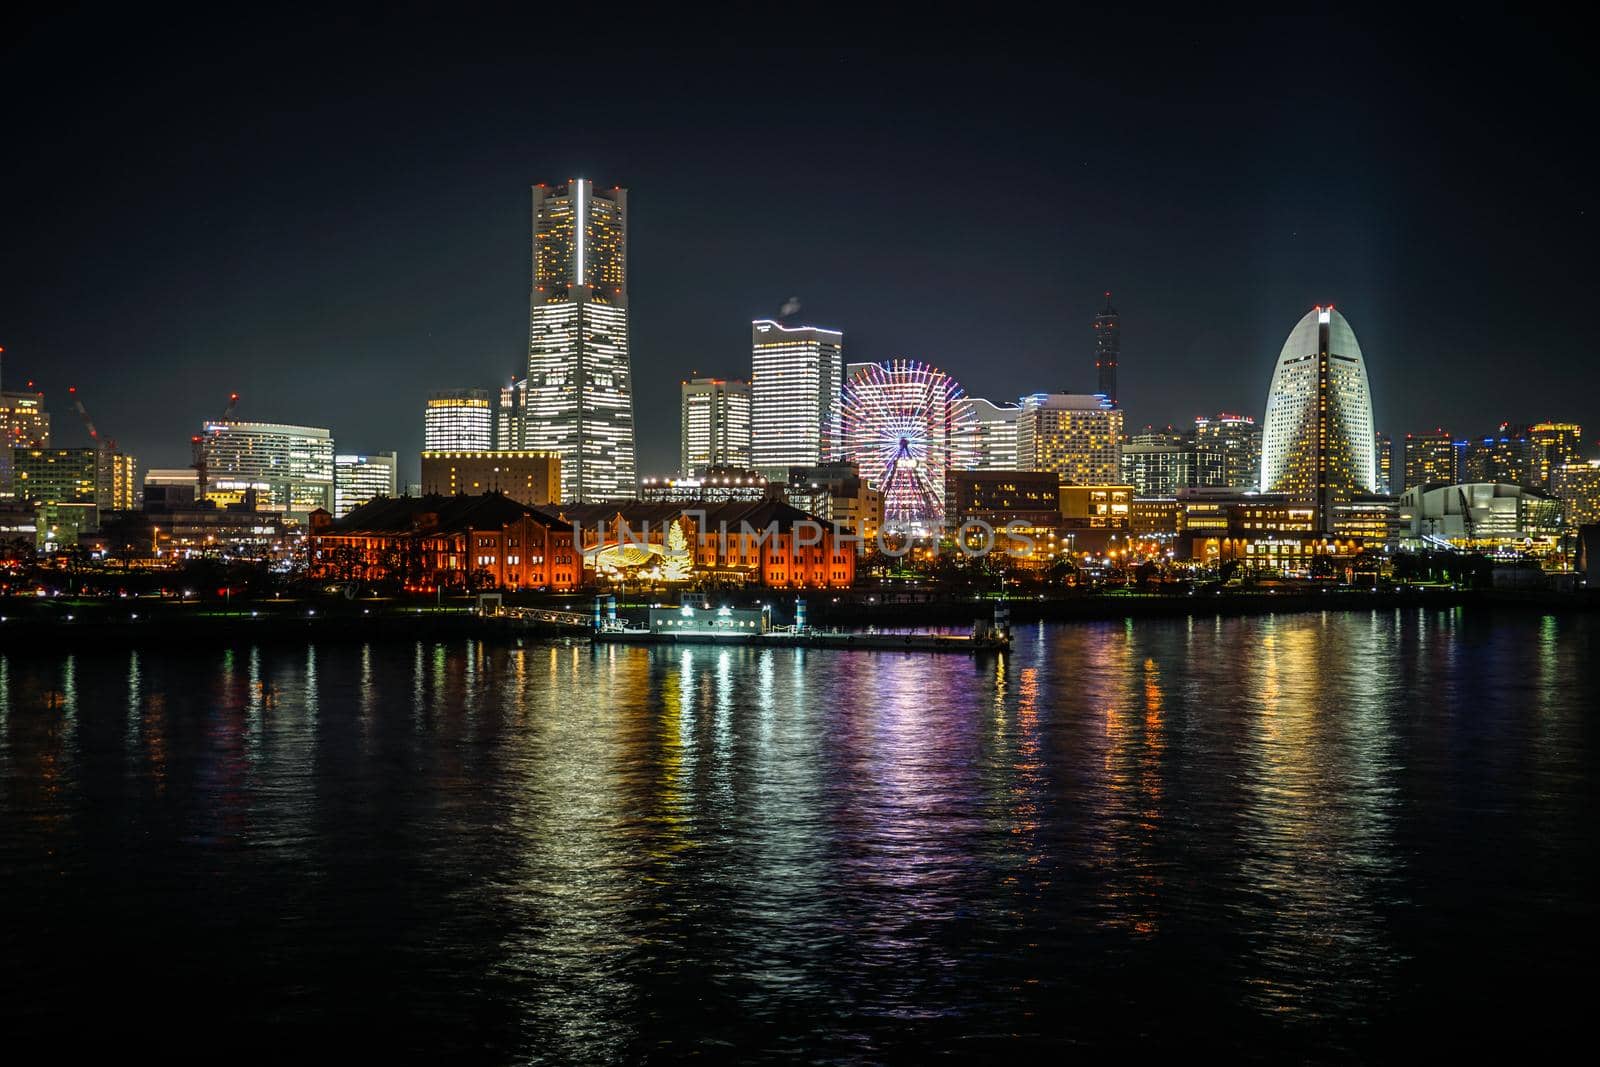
<point>331,217</point>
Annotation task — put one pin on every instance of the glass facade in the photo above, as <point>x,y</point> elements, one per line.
<point>358,479</point>
<point>579,393</point>
<point>1318,441</point>
<point>289,467</point>
<point>458,418</point>
<point>714,430</point>
<point>986,435</point>
<point>795,378</point>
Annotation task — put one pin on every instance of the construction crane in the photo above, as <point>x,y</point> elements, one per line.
<point>102,444</point>
<point>199,441</point>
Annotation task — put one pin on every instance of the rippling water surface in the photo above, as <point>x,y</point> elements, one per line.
<point>1293,836</point>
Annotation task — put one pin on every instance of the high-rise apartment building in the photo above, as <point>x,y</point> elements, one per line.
<point>1078,437</point>
<point>359,479</point>
<point>1556,444</point>
<point>795,378</point>
<point>986,435</point>
<point>580,385</point>
<point>1318,442</point>
<point>1107,350</point>
<point>714,428</point>
<point>1238,438</point>
<point>458,419</point>
<point>1577,486</point>
<point>290,467</point>
<point>1508,456</point>
<point>1430,458</point>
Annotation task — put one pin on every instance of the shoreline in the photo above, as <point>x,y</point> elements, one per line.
<point>202,625</point>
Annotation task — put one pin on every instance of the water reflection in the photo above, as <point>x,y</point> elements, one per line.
<point>577,854</point>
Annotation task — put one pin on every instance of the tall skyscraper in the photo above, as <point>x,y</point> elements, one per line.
<point>458,419</point>
<point>1317,445</point>
<point>1383,449</point>
<point>715,425</point>
<point>1509,456</point>
<point>1430,458</point>
<point>580,382</point>
<point>1079,437</point>
<point>1107,350</point>
<point>795,377</point>
<point>358,479</point>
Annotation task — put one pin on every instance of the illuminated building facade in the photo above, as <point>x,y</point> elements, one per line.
<point>580,378</point>
<point>1555,444</point>
<point>987,435</point>
<point>1318,439</point>
<point>1433,457</point>
<point>999,497</point>
<point>488,541</point>
<point>528,477</point>
<point>1577,486</point>
<point>458,419</point>
<point>359,479</point>
<point>795,376</point>
<point>510,419</point>
<point>710,485</point>
<point>1107,350</point>
<point>714,428</point>
<point>837,493</point>
<point>24,424</point>
<point>290,467</point>
<point>762,543</point>
<point>1238,438</point>
<point>1383,449</point>
<point>1506,457</point>
<point>1163,469</point>
<point>1480,515</point>
<point>1078,437</point>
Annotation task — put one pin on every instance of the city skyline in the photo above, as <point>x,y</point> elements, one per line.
<point>436,306</point>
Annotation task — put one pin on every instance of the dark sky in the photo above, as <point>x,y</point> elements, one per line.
<point>330,215</point>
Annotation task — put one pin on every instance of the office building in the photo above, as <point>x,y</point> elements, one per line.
<point>1238,439</point>
<point>24,424</point>
<point>362,478</point>
<point>1318,442</point>
<point>1107,350</point>
<point>510,420</point>
<point>1078,437</point>
<point>580,380</point>
<point>528,477</point>
<point>714,428</point>
<point>458,420</point>
<point>1431,458</point>
<point>1161,469</point>
<point>290,467</point>
<point>795,378</point>
<point>986,435</point>
<point>999,497</point>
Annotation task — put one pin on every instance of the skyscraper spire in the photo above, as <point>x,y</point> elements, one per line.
<point>1107,349</point>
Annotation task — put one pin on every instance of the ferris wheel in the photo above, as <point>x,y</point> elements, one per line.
<point>900,422</point>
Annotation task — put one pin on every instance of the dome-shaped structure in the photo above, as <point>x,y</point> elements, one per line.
<point>1317,441</point>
